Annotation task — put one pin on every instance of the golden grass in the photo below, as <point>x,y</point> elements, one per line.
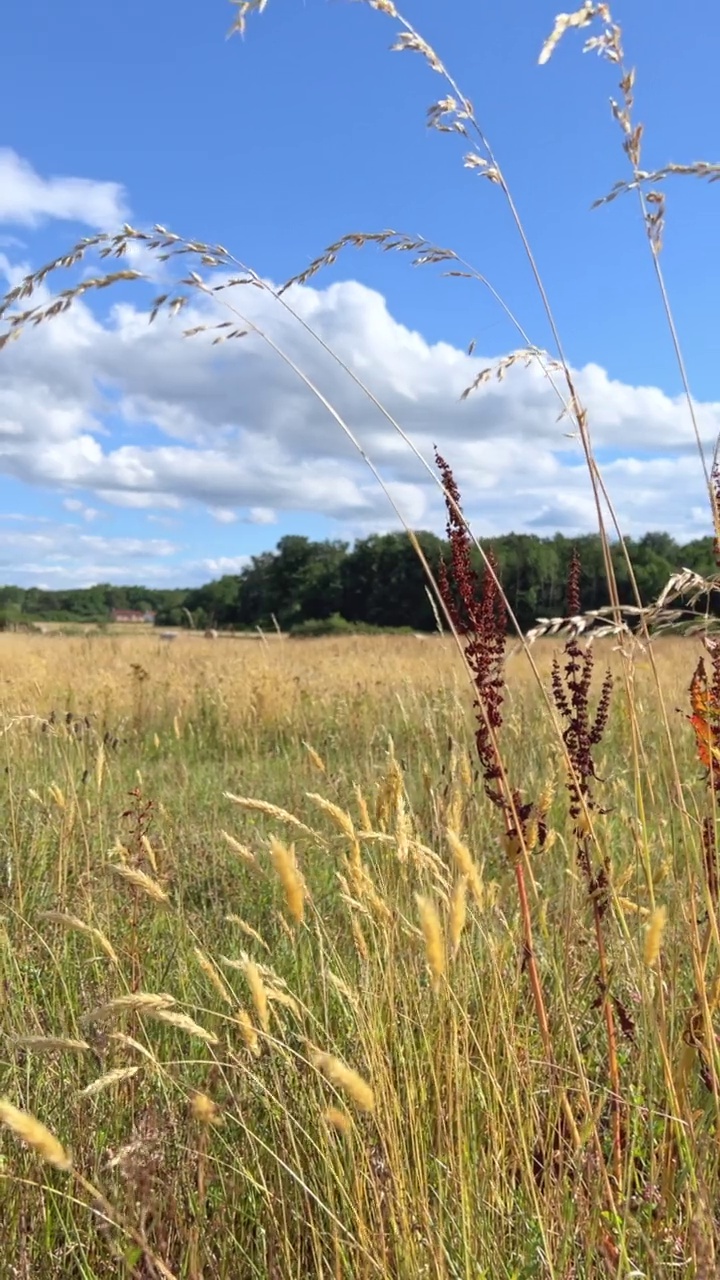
<point>463,1144</point>
<point>34,1134</point>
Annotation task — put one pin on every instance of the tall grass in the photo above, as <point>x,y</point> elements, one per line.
<point>289,1049</point>
<point>350,958</point>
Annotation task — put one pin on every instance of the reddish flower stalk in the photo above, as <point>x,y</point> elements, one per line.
<point>583,732</point>
<point>705,720</point>
<point>477,612</point>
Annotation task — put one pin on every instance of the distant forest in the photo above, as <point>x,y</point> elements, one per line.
<point>378,582</point>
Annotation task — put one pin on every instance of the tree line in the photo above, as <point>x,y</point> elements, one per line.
<point>306,585</point>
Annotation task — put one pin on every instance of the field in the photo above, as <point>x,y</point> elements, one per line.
<point>264,1005</point>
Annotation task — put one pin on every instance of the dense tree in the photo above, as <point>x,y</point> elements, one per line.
<point>378,582</point>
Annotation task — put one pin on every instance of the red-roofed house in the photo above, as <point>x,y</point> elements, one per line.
<point>132,615</point>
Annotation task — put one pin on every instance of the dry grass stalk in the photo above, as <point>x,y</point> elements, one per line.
<point>241,850</point>
<point>466,866</point>
<point>248,1032</point>
<point>342,987</point>
<point>183,1022</point>
<point>50,1044</point>
<point>339,816</point>
<point>270,811</point>
<point>434,940</point>
<point>359,939</point>
<point>338,1119</point>
<point>75,923</point>
<point>34,1134</point>
<point>315,759</point>
<point>458,913</point>
<point>150,852</point>
<point>129,1042</point>
<point>259,994</point>
<point>654,935</point>
<point>111,1078</point>
<point>204,1109</point>
<point>344,1078</point>
<point>248,930</point>
<point>277,996</point>
<point>136,1002</point>
<point>139,880</point>
<point>582,17</point>
<point>213,975</point>
<point>286,868</point>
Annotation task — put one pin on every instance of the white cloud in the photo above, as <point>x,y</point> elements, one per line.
<point>27,199</point>
<point>78,507</point>
<point>231,430</point>
<point>223,515</point>
<point>220,565</point>
<point>59,555</point>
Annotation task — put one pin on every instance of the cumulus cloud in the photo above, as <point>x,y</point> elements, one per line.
<point>223,515</point>
<point>141,418</point>
<point>75,505</point>
<point>218,566</point>
<point>27,199</point>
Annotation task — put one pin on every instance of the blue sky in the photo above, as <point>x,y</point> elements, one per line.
<point>126,457</point>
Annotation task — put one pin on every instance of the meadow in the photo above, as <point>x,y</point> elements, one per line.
<point>265,1010</point>
<point>369,956</point>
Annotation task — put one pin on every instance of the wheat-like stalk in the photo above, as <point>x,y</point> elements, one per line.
<point>286,868</point>
<point>466,865</point>
<point>339,816</point>
<point>458,913</point>
<point>204,1109</point>
<point>241,850</point>
<point>248,1032</point>
<point>50,1044</point>
<point>259,993</point>
<point>248,930</point>
<point>338,1119</point>
<point>129,1042</point>
<point>139,880</point>
<point>72,922</point>
<point>135,1002</point>
<point>214,976</point>
<point>315,758</point>
<point>343,1077</point>
<point>183,1022</point>
<point>34,1134</point>
<point>654,935</point>
<point>433,935</point>
<point>270,811</point>
<point>111,1078</point>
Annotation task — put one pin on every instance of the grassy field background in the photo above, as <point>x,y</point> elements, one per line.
<point>325,1060</point>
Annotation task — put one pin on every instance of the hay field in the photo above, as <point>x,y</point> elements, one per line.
<point>262,979</point>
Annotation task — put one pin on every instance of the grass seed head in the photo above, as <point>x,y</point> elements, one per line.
<point>135,1002</point>
<point>458,913</point>
<point>286,868</point>
<point>433,935</point>
<point>248,1032</point>
<point>34,1134</point>
<point>259,994</point>
<point>116,1076</point>
<point>183,1022</point>
<point>139,880</point>
<point>343,1077</point>
<point>204,1110</point>
<point>338,1119</point>
<point>50,1044</point>
<point>654,935</point>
